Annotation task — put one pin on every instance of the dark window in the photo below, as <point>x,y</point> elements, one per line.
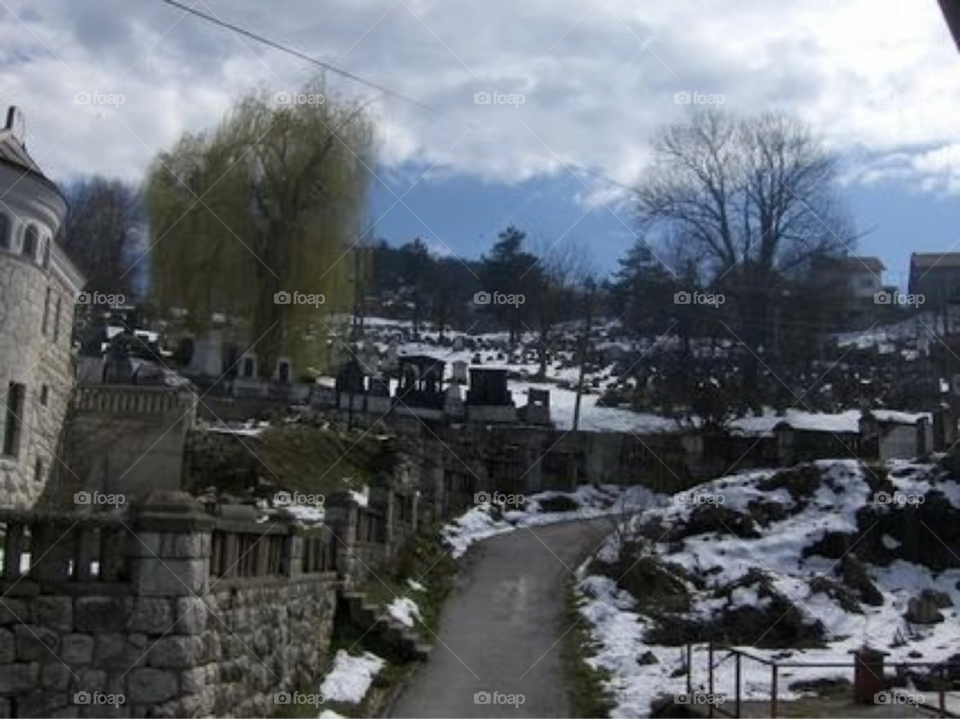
<point>12,418</point>
<point>46,252</point>
<point>44,395</point>
<point>38,470</point>
<point>46,313</point>
<point>56,322</point>
<point>248,367</point>
<point>283,372</point>
<point>30,239</point>
<point>4,232</point>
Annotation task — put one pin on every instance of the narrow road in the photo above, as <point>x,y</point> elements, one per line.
<point>500,628</point>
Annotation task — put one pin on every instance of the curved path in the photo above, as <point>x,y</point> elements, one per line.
<point>500,627</point>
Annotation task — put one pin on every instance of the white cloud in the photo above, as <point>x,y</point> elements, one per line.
<point>874,76</point>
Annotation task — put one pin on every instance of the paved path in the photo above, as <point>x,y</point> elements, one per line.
<point>500,624</point>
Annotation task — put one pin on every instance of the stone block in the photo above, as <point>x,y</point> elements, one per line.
<point>77,649</point>
<point>146,685</point>
<point>100,614</point>
<point>8,648</point>
<point>173,545</point>
<point>13,611</point>
<point>110,649</point>
<point>36,643</point>
<point>41,702</point>
<point>193,615</point>
<point>194,680</point>
<point>150,615</point>
<point>16,678</point>
<point>171,577</point>
<point>177,652</point>
<point>55,676</point>
<point>54,612</point>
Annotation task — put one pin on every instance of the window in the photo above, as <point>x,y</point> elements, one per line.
<point>283,371</point>
<point>4,232</point>
<point>46,313</point>
<point>12,413</point>
<point>248,367</point>
<point>44,395</point>
<point>56,321</point>
<point>38,470</point>
<point>46,252</point>
<point>31,238</point>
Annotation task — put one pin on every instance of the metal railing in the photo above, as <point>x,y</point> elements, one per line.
<point>738,655</point>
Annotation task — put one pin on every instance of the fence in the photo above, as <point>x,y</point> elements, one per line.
<point>873,676</point>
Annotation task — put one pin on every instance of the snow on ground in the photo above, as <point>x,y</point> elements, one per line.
<point>594,501</point>
<point>848,421</point>
<point>719,559</point>
<point>350,677</point>
<point>404,610</point>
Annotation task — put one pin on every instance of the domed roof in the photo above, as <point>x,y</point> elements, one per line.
<point>13,149</point>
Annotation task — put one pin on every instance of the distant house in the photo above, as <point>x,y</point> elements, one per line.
<point>937,278</point>
<point>857,279</point>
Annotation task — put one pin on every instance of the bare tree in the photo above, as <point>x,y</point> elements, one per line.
<point>750,203</point>
<point>103,228</point>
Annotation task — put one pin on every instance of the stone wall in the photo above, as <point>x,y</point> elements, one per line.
<point>181,613</point>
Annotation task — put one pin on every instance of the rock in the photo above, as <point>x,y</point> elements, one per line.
<point>13,611</point>
<point>921,610</point>
<point>647,658</point>
<point>55,676</point>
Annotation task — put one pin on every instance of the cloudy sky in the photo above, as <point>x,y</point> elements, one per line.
<point>878,79</point>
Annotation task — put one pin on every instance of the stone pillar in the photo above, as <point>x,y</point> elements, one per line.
<point>922,447</point>
<point>172,556</point>
<point>341,513</point>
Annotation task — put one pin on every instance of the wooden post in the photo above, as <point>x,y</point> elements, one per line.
<point>773,693</point>
<point>942,692</point>
<point>738,684</point>
<point>689,669</point>
<point>710,679</point>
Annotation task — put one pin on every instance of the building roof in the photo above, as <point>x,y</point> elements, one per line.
<point>862,264</point>
<point>929,260</point>
<point>13,148</point>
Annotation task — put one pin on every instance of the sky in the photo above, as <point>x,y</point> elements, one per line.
<point>878,80</point>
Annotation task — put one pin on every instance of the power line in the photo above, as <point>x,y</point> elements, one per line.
<point>331,67</point>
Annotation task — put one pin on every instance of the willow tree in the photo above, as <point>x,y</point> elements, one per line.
<point>270,201</point>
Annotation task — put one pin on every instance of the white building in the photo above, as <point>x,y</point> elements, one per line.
<point>38,288</point>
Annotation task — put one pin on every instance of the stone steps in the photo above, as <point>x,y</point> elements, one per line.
<point>372,617</point>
